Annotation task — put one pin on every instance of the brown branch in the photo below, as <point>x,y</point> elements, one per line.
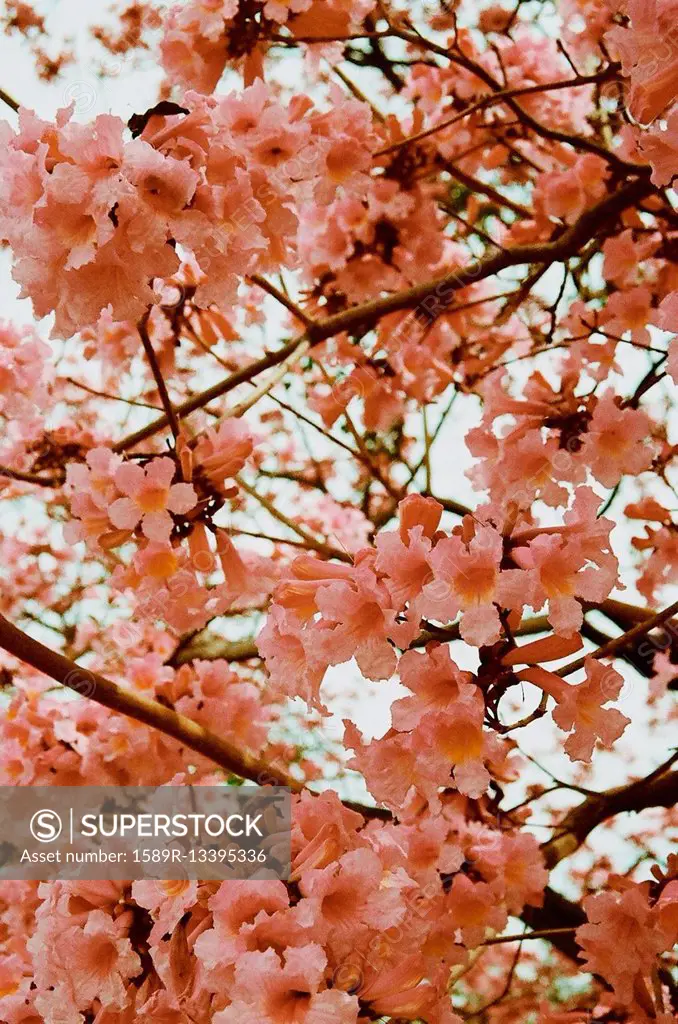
<point>543,933</point>
<point>442,288</point>
<point>497,97</point>
<point>216,391</point>
<point>112,398</point>
<point>126,702</point>
<point>9,101</point>
<point>482,187</point>
<point>659,789</point>
<point>29,478</point>
<point>207,646</point>
<point>142,327</point>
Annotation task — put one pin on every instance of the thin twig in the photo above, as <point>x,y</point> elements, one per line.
<point>619,642</point>
<point>358,93</point>
<point>9,101</point>
<point>266,386</point>
<point>316,545</point>
<point>112,398</point>
<point>282,298</point>
<point>543,933</point>
<point>142,327</point>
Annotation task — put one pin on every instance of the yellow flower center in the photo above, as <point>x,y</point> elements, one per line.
<point>152,499</point>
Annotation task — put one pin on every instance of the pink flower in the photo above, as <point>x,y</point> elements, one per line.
<point>88,963</point>
<point>618,441</point>
<point>223,452</point>
<point>621,939</point>
<point>235,907</point>
<point>95,479</point>
<point>151,496</point>
<point>292,669</point>
<point>473,909</point>
<point>467,579</point>
<point>436,683</point>
<point>167,901</point>
<point>358,620</point>
<point>403,555</point>
<point>93,490</point>
<point>648,56</point>
<point>24,363</point>
<point>623,256</point>
<point>580,709</point>
<point>568,193</point>
<point>629,311</point>
<point>266,991</point>
<point>165,185</point>
<point>659,147</point>
<point>352,895</point>
<point>392,766</point>
<point>457,741</point>
<point>559,571</point>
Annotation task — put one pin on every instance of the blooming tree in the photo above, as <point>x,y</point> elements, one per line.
<point>352,347</point>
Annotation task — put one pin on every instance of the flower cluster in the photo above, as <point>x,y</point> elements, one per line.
<point>218,179</point>
<point>202,36</point>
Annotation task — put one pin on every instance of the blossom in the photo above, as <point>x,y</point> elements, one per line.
<point>473,909</point>
<point>580,709</point>
<point>458,742</point>
<point>436,683</point>
<point>270,992</point>
<point>236,906</point>
<point>93,490</point>
<point>355,893</point>
<point>467,578</point>
<point>568,193</point>
<point>617,441</point>
<point>393,766</point>
<point>403,556</point>
<point>623,254</point>
<point>167,901</point>
<point>627,916</point>
<point>648,57</point>
<point>24,372</point>
<point>223,452</point>
<point>150,496</point>
<point>559,571</point>
<point>658,146</point>
<point>88,962</point>
<point>629,311</point>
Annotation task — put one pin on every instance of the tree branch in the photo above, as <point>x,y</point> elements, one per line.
<point>433,297</point>
<point>109,694</point>
<point>620,642</point>
<point>142,328</point>
<point>659,789</point>
<point>216,391</point>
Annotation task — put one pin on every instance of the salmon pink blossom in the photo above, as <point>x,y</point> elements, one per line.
<point>149,497</point>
